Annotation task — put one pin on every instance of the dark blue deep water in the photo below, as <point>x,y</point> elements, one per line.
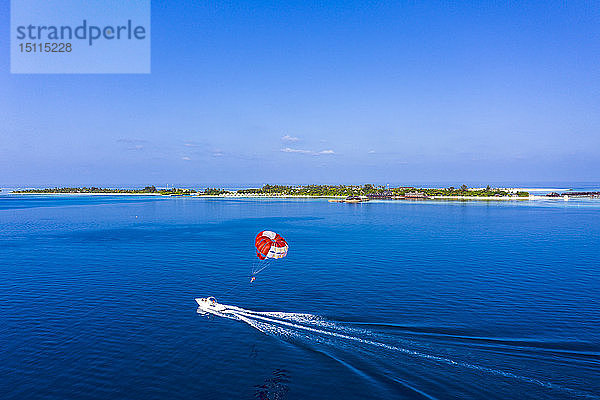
<point>421,300</point>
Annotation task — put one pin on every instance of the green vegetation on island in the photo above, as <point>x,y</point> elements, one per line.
<point>310,190</point>
<point>97,190</point>
<point>367,190</point>
<point>214,192</point>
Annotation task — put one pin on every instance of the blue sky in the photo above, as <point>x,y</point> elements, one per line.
<point>324,92</point>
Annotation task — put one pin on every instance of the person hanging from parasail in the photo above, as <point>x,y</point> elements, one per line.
<point>269,246</point>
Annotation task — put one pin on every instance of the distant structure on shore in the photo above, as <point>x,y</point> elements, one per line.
<point>389,195</point>
<point>351,199</point>
<point>416,195</point>
<point>592,195</point>
<point>386,195</point>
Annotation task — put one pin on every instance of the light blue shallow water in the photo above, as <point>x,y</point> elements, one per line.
<point>406,300</point>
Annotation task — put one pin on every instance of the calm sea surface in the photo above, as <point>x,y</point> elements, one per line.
<point>403,300</point>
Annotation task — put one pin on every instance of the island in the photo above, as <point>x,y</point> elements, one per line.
<point>148,190</point>
<point>338,193</point>
<point>374,192</point>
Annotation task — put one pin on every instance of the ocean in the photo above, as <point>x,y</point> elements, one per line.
<point>394,300</point>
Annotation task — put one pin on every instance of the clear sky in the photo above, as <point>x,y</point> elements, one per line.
<point>324,92</point>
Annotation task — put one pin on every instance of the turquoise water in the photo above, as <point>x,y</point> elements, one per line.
<point>402,300</point>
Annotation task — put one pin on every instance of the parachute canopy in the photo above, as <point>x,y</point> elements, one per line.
<point>270,245</point>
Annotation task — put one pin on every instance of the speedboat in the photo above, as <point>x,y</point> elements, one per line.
<point>210,305</point>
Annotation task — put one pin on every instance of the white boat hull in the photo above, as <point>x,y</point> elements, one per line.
<point>210,305</point>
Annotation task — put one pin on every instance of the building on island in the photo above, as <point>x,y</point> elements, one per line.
<point>416,195</point>
<point>387,195</point>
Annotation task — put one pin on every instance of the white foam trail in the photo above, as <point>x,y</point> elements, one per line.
<point>271,323</point>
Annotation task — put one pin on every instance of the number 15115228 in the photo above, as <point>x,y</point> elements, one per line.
<point>45,47</point>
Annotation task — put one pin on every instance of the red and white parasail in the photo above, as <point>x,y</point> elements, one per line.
<point>270,245</point>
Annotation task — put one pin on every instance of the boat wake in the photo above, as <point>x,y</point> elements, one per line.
<point>309,328</point>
